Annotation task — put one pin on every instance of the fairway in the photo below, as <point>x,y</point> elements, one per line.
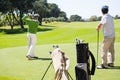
<point>15,66</point>
<point>13,49</point>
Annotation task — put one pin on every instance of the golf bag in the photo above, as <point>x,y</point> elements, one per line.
<point>82,69</point>
<point>60,63</point>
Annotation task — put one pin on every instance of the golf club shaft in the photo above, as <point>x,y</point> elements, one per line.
<point>97,45</point>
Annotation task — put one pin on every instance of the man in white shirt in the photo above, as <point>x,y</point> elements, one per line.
<point>107,51</point>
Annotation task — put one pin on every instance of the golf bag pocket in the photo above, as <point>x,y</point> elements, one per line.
<point>81,71</point>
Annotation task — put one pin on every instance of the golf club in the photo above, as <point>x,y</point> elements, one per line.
<point>97,45</point>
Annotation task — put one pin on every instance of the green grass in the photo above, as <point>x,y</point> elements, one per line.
<point>14,65</point>
<point>58,32</point>
<point>13,48</point>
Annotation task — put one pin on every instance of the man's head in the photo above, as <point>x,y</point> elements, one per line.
<point>36,16</point>
<point>105,9</point>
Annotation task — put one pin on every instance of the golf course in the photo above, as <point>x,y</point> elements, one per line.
<point>14,46</point>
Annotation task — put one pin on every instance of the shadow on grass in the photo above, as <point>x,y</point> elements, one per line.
<point>48,26</point>
<point>46,59</point>
<point>13,31</point>
<point>19,30</point>
<point>115,67</point>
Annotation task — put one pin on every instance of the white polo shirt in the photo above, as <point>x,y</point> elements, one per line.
<point>108,26</point>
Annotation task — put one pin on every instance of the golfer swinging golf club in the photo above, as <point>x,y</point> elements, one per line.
<point>32,22</point>
<point>107,25</point>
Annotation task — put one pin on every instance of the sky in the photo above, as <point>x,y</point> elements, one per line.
<point>87,8</point>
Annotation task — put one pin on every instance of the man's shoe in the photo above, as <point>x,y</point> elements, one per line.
<point>29,57</point>
<point>111,64</point>
<point>102,67</point>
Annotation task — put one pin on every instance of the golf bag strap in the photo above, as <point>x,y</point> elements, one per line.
<point>93,63</point>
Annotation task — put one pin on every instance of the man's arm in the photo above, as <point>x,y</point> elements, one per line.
<point>99,26</point>
<point>27,17</point>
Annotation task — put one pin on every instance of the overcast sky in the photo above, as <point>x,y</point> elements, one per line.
<point>87,8</point>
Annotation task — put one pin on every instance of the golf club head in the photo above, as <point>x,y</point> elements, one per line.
<point>55,46</point>
<point>78,41</point>
<point>50,52</point>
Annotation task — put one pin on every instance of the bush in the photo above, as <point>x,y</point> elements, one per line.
<point>75,18</point>
<point>52,19</point>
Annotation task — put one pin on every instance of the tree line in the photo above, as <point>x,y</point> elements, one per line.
<point>12,11</point>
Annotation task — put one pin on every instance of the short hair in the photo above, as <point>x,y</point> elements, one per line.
<point>104,9</point>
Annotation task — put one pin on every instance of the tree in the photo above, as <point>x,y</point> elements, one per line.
<point>40,7</point>
<point>23,6</point>
<point>4,6</point>
<point>10,6</point>
<point>15,9</point>
<point>63,14</point>
<point>99,18</point>
<point>93,18</point>
<point>53,10</point>
<point>75,18</point>
<point>117,17</point>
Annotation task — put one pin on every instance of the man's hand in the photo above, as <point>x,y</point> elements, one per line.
<point>99,26</point>
<point>30,15</point>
